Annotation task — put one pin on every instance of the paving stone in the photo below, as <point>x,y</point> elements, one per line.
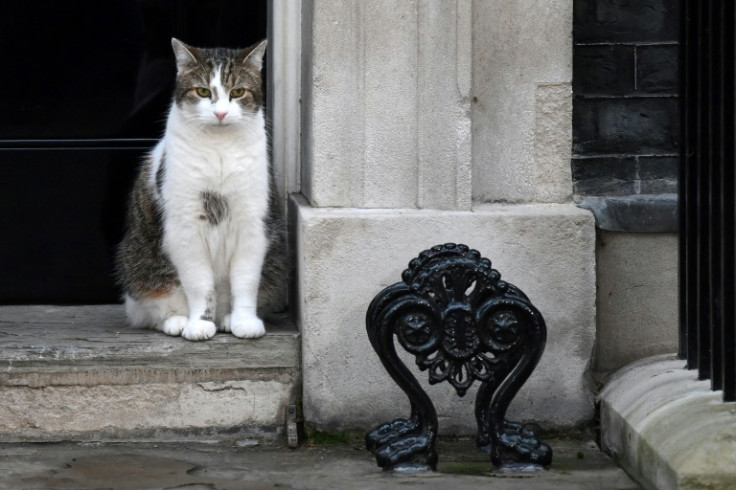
<point>578,465</point>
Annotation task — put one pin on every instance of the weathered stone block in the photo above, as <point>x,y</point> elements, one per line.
<point>79,373</point>
<point>386,104</point>
<point>520,56</point>
<point>657,69</point>
<point>347,256</point>
<point>658,167</point>
<point>606,69</point>
<point>635,125</point>
<point>616,21</point>
<point>552,136</point>
<point>637,297</point>
<point>658,175</point>
<point>604,176</point>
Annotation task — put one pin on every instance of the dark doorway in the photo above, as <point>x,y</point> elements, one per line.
<point>83,95</point>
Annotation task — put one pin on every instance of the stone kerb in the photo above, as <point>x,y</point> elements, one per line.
<point>666,428</point>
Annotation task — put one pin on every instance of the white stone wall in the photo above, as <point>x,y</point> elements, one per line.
<point>522,115</point>
<point>415,113</point>
<point>347,256</point>
<point>388,112</point>
<point>637,298</point>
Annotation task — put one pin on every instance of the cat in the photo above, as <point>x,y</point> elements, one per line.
<point>203,216</point>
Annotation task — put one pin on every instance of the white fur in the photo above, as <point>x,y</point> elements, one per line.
<point>228,157</point>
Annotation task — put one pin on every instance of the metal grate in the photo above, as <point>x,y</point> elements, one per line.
<point>707,319</point>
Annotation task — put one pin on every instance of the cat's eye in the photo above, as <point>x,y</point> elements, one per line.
<point>203,91</point>
<point>237,92</point>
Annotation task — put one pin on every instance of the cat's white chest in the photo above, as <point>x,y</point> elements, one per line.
<point>218,188</point>
<point>213,166</point>
<point>231,163</point>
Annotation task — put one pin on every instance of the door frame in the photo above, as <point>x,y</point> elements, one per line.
<point>284,94</point>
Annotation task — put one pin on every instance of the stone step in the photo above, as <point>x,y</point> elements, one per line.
<point>79,373</point>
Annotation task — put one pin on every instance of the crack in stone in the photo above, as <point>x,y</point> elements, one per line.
<point>221,388</point>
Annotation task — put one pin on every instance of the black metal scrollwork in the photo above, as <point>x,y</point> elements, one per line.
<point>463,323</point>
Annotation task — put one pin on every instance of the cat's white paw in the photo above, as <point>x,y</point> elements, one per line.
<point>246,326</point>
<point>174,325</point>
<point>199,330</point>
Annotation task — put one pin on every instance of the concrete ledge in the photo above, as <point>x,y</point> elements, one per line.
<point>667,429</point>
<point>347,255</point>
<point>79,373</point>
<point>637,213</point>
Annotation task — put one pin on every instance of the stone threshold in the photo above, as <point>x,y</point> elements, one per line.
<point>633,213</point>
<point>667,429</point>
<point>80,373</point>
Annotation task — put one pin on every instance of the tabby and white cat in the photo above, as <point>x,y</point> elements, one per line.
<point>201,218</point>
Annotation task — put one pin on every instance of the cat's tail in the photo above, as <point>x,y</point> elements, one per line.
<point>138,316</point>
<point>153,312</point>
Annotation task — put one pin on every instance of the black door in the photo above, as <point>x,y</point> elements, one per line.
<point>84,88</point>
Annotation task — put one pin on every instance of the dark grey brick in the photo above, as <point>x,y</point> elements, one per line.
<point>652,168</point>
<point>606,176</point>
<point>603,167</point>
<point>657,69</point>
<point>625,82</point>
<point>658,186</point>
<point>625,126</point>
<point>603,187</point>
<point>658,175</point>
<point>626,20</point>
<point>603,70</point>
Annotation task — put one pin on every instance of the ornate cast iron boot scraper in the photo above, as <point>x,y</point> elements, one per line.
<point>463,323</point>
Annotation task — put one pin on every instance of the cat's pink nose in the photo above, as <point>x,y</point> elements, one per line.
<point>220,115</point>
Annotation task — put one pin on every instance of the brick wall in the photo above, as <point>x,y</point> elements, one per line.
<point>625,84</point>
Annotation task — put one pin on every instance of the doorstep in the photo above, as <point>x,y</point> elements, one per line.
<point>78,373</point>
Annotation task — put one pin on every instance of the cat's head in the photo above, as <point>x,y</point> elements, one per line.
<point>218,87</point>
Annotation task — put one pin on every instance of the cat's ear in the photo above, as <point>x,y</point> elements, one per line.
<point>184,54</point>
<point>255,56</point>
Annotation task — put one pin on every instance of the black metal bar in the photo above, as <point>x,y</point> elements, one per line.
<point>728,48</point>
<point>702,172</point>
<point>691,182</point>
<point>715,165</point>
<point>688,336</point>
<point>707,188</point>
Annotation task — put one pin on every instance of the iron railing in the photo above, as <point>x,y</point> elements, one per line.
<point>706,197</point>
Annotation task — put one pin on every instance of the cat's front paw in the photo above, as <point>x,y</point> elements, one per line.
<point>174,325</point>
<point>247,326</point>
<point>199,330</point>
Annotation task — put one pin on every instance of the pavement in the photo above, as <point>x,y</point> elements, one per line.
<point>244,464</point>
